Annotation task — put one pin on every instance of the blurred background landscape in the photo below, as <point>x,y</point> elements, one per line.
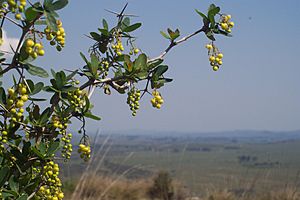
<point>232,164</point>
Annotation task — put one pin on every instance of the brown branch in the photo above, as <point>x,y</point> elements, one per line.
<point>112,81</point>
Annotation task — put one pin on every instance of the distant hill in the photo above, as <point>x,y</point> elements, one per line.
<point>240,135</point>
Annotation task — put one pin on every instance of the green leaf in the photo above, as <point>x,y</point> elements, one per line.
<point>4,174</point>
<point>40,22</point>
<point>91,116</point>
<point>53,147</point>
<point>105,24</point>
<point>141,62</point>
<point>132,27</point>
<point>94,64</point>
<point>37,88</point>
<point>42,148</point>
<point>23,197</point>
<point>173,35</point>
<point>201,14</point>
<point>60,79</point>
<point>142,75</point>
<point>154,63</point>
<point>36,71</point>
<point>47,4</point>
<point>126,21</point>
<point>95,36</point>
<point>165,35</point>
<point>68,88</point>
<point>45,116</point>
<point>60,4</point>
<point>84,58</point>
<point>50,20</point>
<point>37,152</point>
<point>14,185</point>
<point>29,84</point>
<point>70,76</point>
<point>128,64</point>
<point>212,11</point>
<point>23,54</point>
<point>160,70</point>
<point>31,14</point>
<point>104,32</point>
<point>2,96</point>
<point>53,73</point>
<point>8,193</point>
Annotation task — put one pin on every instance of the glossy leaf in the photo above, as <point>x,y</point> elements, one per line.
<point>31,14</point>
<point>95,36</point>
<point>23,197</point>
<point>36,71</point>
<point>50,20</point>
<point>105,24</point>
<point>154,63</point>
<point>141,62</point>
<point>91,116</point>
<point>13,184</point>
<point>60,4</point>
<point>2,96</point>
<point>173,34</point>
<point>132,27</point>
<point>37,88</point>
<point>160,70</point>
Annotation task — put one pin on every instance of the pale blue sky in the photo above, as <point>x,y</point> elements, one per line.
<point>257,88</point>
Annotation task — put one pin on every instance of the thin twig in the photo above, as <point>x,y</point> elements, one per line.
<point>11,20</point>
<point>174,43</point>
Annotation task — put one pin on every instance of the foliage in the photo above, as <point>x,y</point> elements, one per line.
<point>31,134</point>
<point>162,187</point>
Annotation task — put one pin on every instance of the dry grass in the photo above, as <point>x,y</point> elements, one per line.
<point>106,188</point>
<point>285,194</point>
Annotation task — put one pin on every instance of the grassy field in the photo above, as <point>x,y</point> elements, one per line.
<point>244,165</point>
<point>218,165</point>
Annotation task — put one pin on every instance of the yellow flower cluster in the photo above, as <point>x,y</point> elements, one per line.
<point>118,47</point>
<point>85,152</point>
<point>34,49</point>
<point>62,125</point>
<point>56,37</point>
<point>133,100</point>
<point>76,97</point>
<point>67,149</point>
<point>14,6</point>
<point>52,187</point>
<point>215,57</point>
<point>225,23</point>
<point>157,99</point>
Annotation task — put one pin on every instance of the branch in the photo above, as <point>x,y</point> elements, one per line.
<point>11,20</point>
<point>174,43</point>
<point>111,81</point>
<point>14,61</point>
